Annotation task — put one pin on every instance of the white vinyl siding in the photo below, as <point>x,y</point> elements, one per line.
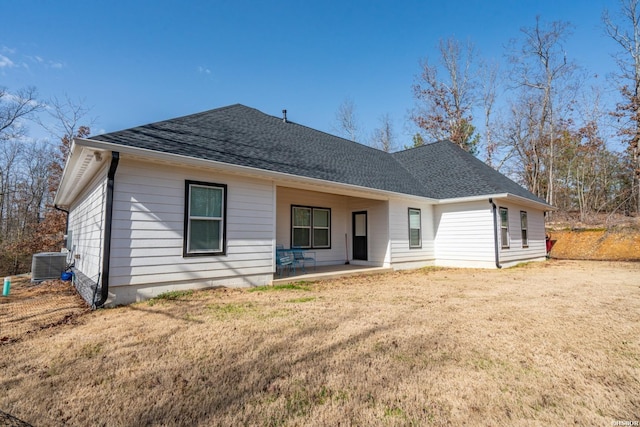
<point>535,247</point>
<point>464,235</point>
<point>86,227</point>
<point>148,229</point>
<point>402,255</point>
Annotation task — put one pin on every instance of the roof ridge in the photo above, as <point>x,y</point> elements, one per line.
<point>322,132</point>
<point>426,144</point>
<point>396,155</point>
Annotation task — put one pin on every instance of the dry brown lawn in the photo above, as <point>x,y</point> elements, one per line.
<point>542,344</point>
<point>31,307</point>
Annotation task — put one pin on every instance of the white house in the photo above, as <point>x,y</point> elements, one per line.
<point>203,200</point>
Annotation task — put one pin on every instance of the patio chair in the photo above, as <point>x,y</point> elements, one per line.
<point>284,261</point>
<point>302,256</point>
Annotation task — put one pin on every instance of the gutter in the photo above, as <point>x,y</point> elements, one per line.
<point>495,233</point>
<point>508,196</point>
<point>66,226</point>
<point>106,252</point>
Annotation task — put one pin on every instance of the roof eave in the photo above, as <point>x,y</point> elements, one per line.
<point>508,196</point>
<point>81,166</point>
<point>232,168</point>
<point>529,202</point>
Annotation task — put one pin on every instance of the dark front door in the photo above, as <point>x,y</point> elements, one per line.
<point>360,235</point>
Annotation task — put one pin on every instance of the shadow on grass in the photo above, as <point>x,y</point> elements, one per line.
<point>223,390</point>
<point>183,316</point>
<point>9,420</point>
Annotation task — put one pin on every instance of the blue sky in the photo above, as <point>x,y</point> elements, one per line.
<point>135,62</point>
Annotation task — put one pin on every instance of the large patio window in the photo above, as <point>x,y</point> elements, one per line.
<point>310,227</point>
<point>415,229</point>
<point>204,219</point>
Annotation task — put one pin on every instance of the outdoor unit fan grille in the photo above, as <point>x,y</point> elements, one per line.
<point>47,265</point>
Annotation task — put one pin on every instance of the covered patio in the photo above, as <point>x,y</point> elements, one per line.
<point>327,272</point>
<point>332,227</point>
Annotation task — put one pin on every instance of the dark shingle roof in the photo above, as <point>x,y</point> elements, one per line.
<point>244,136</point>
<point>447,171</point>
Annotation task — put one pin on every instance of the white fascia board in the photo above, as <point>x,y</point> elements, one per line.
<point>504,196</point>
<point>528,202</point>
<point>231,168</point>
<point>470,199</point>
<point>81,166</point>
<point>65,172</point>
<point>508,196</point>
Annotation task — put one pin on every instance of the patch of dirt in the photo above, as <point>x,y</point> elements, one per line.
<point>617,244</point>
<point>31,307</point>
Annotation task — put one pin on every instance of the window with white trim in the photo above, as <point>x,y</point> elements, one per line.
<point>204,222</point>
<point>415,228</point>
<point>310,227</point>
<point>504,227</point>
<point>524,229</point>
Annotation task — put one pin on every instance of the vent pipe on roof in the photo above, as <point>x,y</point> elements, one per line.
<point>284,116</point>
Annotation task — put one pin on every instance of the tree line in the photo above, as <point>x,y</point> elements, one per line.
<point>538,117</point>
<point>30,172</point>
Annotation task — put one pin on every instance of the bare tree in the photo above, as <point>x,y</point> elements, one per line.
<point>626,33</point>
<point>29,176</point>
<point>14,108</point>
<point>489,76</point>
<point>446,94</point>
<point>11,154</point>
<point>67,116</point>
<point>516,136</point>
<point>384,137</point>
<point>584,169</point>
<point>544,77</point>
<point>346,124</point>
